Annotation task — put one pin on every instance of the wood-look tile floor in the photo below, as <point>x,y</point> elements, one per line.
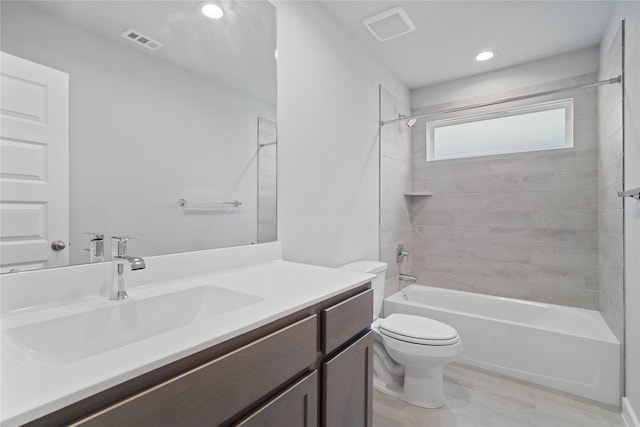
<point>477,398</point>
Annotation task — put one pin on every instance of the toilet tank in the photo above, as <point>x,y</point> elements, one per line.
<point>372,267</point>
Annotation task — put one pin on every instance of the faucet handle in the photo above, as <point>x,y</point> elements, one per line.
<point>119,246</point>
<point>96,246</point>
<point>401,253</point>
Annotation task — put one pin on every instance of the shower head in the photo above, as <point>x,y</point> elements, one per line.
<point>410,122</point>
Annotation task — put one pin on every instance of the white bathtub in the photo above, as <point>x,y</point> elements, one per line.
<point>565,348</point>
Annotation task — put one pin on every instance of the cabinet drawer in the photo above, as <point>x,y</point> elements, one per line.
<point>342,321</point>
<point>216,391</point>
<point>297,406</point>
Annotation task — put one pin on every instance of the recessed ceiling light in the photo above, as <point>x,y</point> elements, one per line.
<point>211,10</point>
<point>485,56</point>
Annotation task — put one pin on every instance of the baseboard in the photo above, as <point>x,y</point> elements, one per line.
<point>629,416</point>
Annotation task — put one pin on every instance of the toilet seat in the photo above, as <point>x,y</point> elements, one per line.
<point>418,330</point>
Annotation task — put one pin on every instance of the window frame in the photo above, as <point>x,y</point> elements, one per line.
<point>565,103</point>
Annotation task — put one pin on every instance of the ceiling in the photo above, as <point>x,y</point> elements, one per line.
<point>449,34</point>
<point>237,50</point>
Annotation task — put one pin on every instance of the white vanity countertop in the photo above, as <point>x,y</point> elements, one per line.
<point>33,387</point>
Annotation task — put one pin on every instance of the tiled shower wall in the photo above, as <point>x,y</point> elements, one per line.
<point>518,225</point>
<point>395,180</point>
<point>610,229</point>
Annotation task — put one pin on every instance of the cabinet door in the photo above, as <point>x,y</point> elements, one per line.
<point>297,406</point>
<point>347,393</point>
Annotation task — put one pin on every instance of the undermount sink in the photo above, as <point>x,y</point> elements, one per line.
<point>67,339</point>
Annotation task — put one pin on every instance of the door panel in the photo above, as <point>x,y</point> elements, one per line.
<point>347,393</point>
<point>34,165</point>
<point>295,407</point>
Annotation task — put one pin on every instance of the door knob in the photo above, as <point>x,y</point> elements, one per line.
<point>58,245</point>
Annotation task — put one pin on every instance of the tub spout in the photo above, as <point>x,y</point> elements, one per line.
<point>407,278</point>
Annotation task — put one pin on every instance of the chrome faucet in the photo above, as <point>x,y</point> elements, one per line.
<point>407,278</point>
<point>120,266</point>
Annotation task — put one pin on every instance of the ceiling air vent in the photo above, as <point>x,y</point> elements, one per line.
<point>389,24</point>
<point>139,38</point>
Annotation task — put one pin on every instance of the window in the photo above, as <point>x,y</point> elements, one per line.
<point>537,127</point>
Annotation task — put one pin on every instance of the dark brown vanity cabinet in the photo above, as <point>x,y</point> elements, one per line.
<point>345,365</point>
<point>348,365</point>
<point>310,368</point>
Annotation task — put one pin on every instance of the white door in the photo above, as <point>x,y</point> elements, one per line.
<point>34,165</point>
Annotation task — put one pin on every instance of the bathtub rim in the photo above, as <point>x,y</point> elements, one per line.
<point>610,338</point>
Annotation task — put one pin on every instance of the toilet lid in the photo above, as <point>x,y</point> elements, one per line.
<point>418,330</point>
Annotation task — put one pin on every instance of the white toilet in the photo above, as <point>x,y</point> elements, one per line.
<point>409,351</point>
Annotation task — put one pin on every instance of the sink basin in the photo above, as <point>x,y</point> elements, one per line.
<point>66,339</point>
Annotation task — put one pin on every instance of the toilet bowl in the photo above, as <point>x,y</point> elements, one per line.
<point>409,351</point>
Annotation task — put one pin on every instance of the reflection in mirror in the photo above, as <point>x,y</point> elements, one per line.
<point>114,111</point>
<point>267,175</point>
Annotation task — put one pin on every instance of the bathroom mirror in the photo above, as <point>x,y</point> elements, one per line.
<point>168,111</point>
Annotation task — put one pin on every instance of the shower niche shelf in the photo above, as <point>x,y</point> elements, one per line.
<point>418,193</point>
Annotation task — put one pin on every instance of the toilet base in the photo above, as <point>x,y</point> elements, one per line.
<point>425,392</point>
<point>420,387</point>
<point>424,388</point>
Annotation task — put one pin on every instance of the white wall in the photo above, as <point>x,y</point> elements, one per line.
<point>630,12</point>
<point>143,134</point>
<point>558,67</point>
<point>328,162</point>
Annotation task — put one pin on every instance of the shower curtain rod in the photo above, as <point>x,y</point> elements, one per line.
<point>503,101</point>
